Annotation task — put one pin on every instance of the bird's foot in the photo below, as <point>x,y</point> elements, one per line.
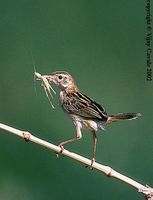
<point>61,151</point>
<point>92,162</point>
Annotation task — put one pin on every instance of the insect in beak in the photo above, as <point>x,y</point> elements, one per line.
<point>46,85</point>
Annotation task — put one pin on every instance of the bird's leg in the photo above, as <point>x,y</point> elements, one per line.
<point>78,136</point>
<point>94,147</point>
<point>94,150</point>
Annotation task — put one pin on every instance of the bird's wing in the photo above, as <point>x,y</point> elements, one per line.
<point>81,105</point>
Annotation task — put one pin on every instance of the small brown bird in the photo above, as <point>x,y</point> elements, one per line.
<point>84,111</point>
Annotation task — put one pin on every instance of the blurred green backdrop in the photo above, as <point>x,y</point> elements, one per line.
<point>102,44</point>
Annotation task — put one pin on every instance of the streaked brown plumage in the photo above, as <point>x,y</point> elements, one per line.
<point>84,112</point>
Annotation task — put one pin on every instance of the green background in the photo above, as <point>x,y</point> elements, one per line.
<point>102,44</point>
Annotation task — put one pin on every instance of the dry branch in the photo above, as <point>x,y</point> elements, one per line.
<point>146,190</point>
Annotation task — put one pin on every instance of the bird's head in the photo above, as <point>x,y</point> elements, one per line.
<point>62,79</point>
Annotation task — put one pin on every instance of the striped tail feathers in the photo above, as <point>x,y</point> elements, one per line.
<point>123,116</point>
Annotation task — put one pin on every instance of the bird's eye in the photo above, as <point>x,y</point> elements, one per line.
<point>60,77</point>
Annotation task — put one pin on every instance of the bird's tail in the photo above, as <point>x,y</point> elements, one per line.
<point>123,116</point>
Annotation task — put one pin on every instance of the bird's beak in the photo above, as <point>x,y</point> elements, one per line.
<point>47,76</point>
<point>50,78</point>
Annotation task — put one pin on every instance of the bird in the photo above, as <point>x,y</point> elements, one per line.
<point>84,112</point>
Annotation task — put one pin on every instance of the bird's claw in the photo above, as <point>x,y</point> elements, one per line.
<point>61,151</point>
<point>92,161</point>
<point>62,148</point>
<point>90,166</point>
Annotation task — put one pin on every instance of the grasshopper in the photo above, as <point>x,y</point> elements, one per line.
<point>47,87</point>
